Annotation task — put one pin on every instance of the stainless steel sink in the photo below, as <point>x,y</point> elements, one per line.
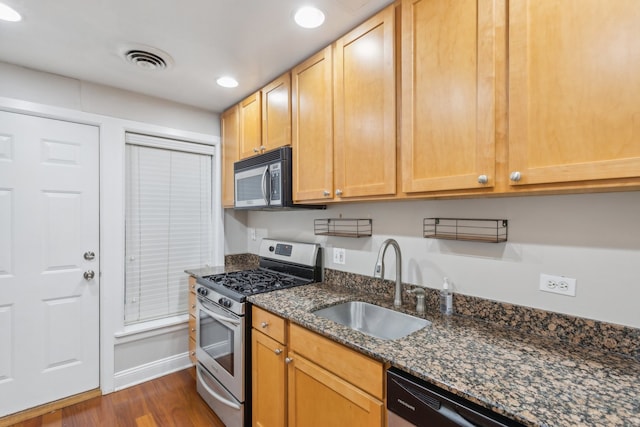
<point>373,320</point>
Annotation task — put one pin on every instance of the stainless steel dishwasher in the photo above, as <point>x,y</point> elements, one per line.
<point>413,402</point>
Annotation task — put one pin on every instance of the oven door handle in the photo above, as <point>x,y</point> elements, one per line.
<point>221,399</point>
<point>218,316</point>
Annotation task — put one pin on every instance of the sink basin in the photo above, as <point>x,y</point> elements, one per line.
<point>373,320</point>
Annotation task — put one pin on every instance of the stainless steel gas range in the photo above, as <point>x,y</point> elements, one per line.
<point>223,322</point>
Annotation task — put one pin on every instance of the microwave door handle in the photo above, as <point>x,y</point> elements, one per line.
<point>266,191</point>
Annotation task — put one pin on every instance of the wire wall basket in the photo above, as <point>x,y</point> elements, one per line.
<point>473,230</point>
<point>343,227</point>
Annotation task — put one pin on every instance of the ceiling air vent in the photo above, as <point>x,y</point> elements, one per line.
<point>146,60</point>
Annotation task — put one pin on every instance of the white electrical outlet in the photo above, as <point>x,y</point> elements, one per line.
<point>252,233</point>
<point>339,256</point>
<point>558,284</point>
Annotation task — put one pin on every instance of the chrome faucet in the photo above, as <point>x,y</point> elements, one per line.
<point>379,268</point>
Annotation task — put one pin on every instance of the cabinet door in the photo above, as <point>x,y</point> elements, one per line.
<point>268,381</point>
<point>365,109</point>
<point>230,129</point>
<point>574,91</point>
<point>448,94</point>
<point>313,127</point>
<point>276,113</point>
<point>250,126</point>
<point>319,398</point>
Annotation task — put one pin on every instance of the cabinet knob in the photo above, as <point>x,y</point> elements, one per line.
<point>338,192</point>
<point>288,360</point>
<point>256,150</point>
<point>193,329</point>
<point>278,351</point>
<point>264,324</point>
<point>515,176</point>
<point>326,193</point>
<point>483,179</point>
<point>262,148</point>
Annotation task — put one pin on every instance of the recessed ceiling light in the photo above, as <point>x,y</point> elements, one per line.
<point>9,14</point>
<point>227,82</point>
<point>309,17</point>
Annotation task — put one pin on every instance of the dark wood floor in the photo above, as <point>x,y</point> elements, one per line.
<point>171,400</point>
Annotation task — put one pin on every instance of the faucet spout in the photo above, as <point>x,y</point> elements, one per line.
<point>379,268</point>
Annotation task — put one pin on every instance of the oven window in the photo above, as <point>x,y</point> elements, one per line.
<point>217,340</point>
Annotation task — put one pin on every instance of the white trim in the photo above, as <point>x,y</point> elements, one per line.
<point>150,371</point>
<point>143,330</point>
<point>169,144</point>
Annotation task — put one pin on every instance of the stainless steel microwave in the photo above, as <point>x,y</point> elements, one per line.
<point>265,181</point>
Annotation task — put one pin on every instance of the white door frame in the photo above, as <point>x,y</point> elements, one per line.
<point>112,146</point>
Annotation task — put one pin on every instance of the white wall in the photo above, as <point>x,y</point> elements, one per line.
<point>594,238</point>
<point>44,88</point>
<point>127,356</point>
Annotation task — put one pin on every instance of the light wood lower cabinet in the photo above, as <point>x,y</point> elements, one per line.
<point>268,381</point>
<point>303,379</point>
<point>192,319</point>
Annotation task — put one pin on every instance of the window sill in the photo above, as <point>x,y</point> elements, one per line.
<point>152,328</point>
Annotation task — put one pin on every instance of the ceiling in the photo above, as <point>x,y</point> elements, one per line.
<point>251,40</point>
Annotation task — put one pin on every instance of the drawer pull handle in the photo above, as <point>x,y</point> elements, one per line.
<point>278,351</point>
<point>264,324</point>
<point>288,360</point>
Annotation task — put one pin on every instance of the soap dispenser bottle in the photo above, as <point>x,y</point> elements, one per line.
<point>446,298</point>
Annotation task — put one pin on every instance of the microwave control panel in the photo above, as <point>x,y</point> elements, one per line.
<point>276,183</point>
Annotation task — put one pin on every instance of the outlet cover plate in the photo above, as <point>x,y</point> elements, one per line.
<point>339,256</point>
<point>558,284</point>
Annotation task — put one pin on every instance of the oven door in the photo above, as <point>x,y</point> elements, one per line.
<point>220,344</point>
<point>252,187</point>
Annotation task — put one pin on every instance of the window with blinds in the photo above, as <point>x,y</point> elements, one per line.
<point>168,223</point>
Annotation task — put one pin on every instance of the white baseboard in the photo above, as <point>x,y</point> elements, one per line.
<point>149,371</point>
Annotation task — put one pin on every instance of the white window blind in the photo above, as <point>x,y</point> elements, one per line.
<point>168,223</point>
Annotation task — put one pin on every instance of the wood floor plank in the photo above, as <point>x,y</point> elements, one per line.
<point>169,401</point>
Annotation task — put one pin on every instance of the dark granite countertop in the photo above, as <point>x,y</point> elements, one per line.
<point>536,380</point>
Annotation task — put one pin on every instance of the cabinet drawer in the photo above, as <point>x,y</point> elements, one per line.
<point>192,327</point>
<point>269,324</point>
<point>192,303</point>
<point>192,350</point>
<point>354,367</point>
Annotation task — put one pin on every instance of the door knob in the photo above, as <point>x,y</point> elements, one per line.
<point>89,274</point>
<point>89,255</point>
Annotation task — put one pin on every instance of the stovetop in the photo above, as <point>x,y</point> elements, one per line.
<point>256,281</point>
<point>282,265</point>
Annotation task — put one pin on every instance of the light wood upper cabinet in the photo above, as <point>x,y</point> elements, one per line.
<point>312,124</point>
<point>276,113</point>
<point>365,109</point>
<point>230,129</point>
<point>250,142</point>
<point>574,91</point>
<point>448,95</point>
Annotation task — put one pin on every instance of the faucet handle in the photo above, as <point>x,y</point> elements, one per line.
<point>419,291</point>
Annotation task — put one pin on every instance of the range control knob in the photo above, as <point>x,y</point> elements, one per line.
<point>271,249</point>
<point>203,291</point>
<point>224,302</point>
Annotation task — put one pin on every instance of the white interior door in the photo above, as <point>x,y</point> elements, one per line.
<point>49,311</point>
